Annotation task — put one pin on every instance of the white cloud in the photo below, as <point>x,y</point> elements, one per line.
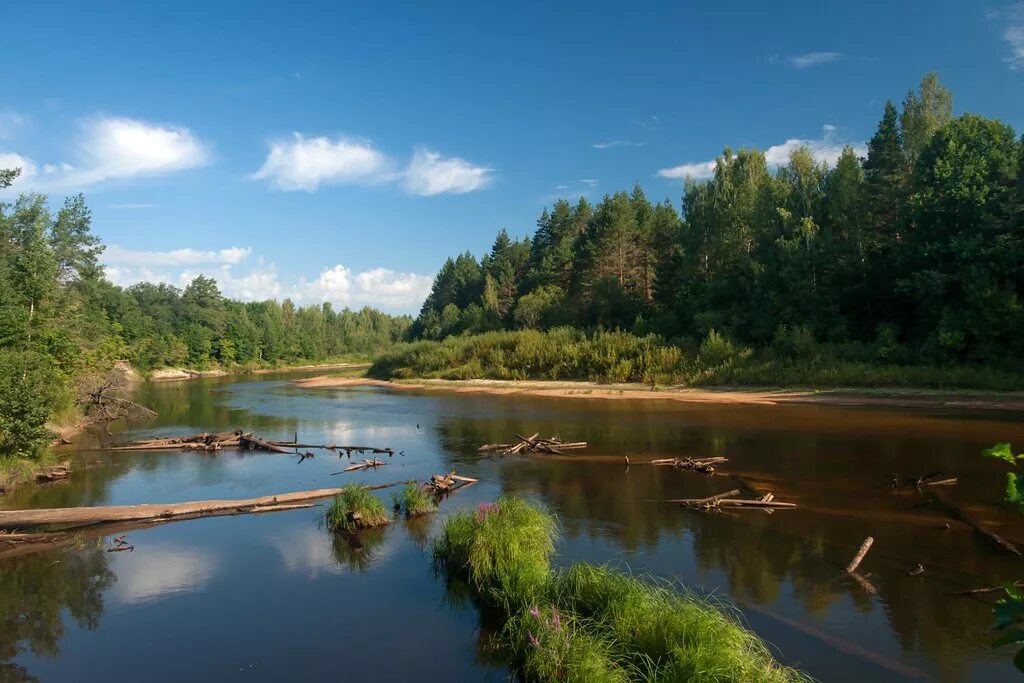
<point>694,169</point>
<point>1014,36</point>
<point>825,149</point>
<point>115,149</point>
<point>162,572</point>
<point>378,287</point>
<point>116,255</point>
<point>610,144</point>
<point>307,163</point>
<point>810,59</point>
<point>429,174</point>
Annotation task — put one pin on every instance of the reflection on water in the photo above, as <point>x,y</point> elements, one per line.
<point>66,614</point>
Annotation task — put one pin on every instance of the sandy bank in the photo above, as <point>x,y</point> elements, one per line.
<point>638,392</point>
<point>171,374</point>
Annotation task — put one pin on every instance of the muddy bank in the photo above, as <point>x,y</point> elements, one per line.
<point>905,398</point>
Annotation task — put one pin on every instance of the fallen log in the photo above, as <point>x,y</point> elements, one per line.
<point>703,465</point>
<point>698,502</point>
<point>959,513</point>
<point>489,447</point>
<point>742,502</point>
<point>254,444</point>
<point>71,518</point>
<point>54,472</point>
<point>532,444</point>
<point>440,484</point>
<point>990,589</point>
<point>362,465</point>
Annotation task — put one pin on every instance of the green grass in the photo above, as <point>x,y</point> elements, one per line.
<point>413,501</point>
<point>503,548</point>
<point>618,357</point>
<point>355,509</point>
<point>554,646</point>
<point>591,623</point>
<point>678,635</point>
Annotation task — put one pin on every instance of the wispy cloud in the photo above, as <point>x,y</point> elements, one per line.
<point>302,163</point>
<point>611,144</point>
<point>1013,34</point>
<point>429,173</point>
<point>111,149</point>
<point>809,59</point>
<point>826,148</point>
<point>241,278</point>
<point>9,122</point>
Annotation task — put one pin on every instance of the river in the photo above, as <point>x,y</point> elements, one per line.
<point>275,596</point>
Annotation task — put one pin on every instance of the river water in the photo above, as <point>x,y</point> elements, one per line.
<point>276,596</point>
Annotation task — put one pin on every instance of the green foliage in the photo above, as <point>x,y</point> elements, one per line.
<point>1014,479</point>
<point>413,501</point>
<point>355,509</point>
<point>552,646</point>
<point>563,353</point>
<point>921,242</point>
<point>503,548</point>
<point>1009,614</point>
<point>593,623</point>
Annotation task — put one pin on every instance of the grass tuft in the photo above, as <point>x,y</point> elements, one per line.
<point>504,548</point>
<point>675,633</point>
<point>413,501</point>
<point>590,623</point>
<point>355,509</point>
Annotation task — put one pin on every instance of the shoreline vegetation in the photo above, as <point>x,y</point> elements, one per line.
<point>587,622</point>
<point>836,396</point>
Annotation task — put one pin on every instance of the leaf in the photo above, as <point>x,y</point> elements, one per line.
<point>1018,660</point>
<point>1015,488</point>
<point>1001,451</point>
<point>1015,635</point>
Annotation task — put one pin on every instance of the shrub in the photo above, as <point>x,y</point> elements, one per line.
<point>414,501</point>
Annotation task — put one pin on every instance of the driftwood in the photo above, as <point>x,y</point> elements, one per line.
<point>239,439</point>
<point>724,500</point>
<point>959,513</point>
<point>87,516</point>
<point>360,466</point>
<point>990,589</point>
<point>532,444</point>
<point>859,557</point>
<point>441,484</point>
<point>704,465</point>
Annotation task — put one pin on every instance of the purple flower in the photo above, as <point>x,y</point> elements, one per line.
<point>534,612</point>
<point>556,620</point>
<point>485,509</point>
<point>534,641</point>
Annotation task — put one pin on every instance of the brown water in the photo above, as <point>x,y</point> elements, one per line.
<point>272,596</point>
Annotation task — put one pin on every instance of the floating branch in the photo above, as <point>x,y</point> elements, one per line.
<point>959,513</point>
<point>724,500</point>
<point>441,484</point>
<point>240,439</point>
<point>703,465</point>
<point>533,444</point>
<point>361,466</point>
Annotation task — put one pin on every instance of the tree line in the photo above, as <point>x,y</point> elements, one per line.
<point>64,326</point>
<point>913,253</point>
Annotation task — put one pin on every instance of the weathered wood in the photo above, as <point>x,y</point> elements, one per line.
<point>990,589</point>
<point>363,465</point>
<point>859,557</point>
<point>86,516</point>
<point>959,513</point>
<point>696,502</point>
<point>253,443</point>
<point>742,502</point>
<point>532,444</point>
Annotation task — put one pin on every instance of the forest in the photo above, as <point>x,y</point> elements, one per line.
<point>64,326</point>
<point>911,255</point>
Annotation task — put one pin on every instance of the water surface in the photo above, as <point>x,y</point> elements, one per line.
<point>265,597</point>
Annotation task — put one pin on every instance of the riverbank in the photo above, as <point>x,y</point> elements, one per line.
<point>175,374</point>
<point>904,398</point>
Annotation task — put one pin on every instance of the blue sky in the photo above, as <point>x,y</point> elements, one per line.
<point>342,150</point>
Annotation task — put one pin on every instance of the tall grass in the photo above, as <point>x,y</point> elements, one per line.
<point>611,357</point>
<point>677,635</point>
<point>355,509</point>
<point>413,501</point>
<point>503,548</point>
<point>591,623</point>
